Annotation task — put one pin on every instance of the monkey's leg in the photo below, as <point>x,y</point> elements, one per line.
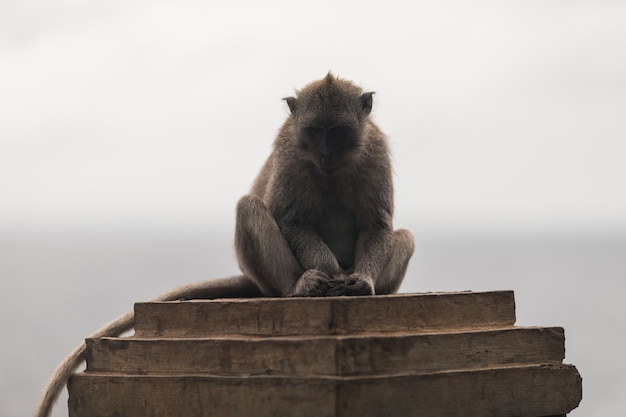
<point>264,254</point>
<point>392,275</point>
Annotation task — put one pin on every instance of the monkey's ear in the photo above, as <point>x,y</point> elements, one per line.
<point>291,102</point>
<point>366,102</point>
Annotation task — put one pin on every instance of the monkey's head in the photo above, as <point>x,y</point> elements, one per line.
<point>328,118</point>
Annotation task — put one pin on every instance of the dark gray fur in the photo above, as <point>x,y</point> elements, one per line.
<point>318,220</point>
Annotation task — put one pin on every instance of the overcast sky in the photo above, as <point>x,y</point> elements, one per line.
<point>500,114</point>
<point>503,116</point>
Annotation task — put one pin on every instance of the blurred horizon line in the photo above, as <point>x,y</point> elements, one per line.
<point>217,227</point>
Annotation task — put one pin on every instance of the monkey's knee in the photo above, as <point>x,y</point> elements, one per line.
<point>251,220</point>
<point>391,278</point>
<point>254,222</point>
<point>404,244</point>
<point>250,208</point>
<point>262,251</point>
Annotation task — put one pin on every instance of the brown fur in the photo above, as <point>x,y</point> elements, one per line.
<point>318,220</point>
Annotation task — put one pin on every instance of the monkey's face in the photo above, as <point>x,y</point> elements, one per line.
<point>328,117</point>
<point>329,147</point>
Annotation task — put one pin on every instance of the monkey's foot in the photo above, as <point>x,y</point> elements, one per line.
<point>312,283</point>
<point>355,284</point>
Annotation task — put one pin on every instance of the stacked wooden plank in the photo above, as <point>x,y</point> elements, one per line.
<point>445,354</point>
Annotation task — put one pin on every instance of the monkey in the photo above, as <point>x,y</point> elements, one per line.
<point>317,221</point>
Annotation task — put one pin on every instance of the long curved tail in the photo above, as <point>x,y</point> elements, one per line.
<point>233,287</point>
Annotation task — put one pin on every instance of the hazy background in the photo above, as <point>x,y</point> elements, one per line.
<point>129,129</point>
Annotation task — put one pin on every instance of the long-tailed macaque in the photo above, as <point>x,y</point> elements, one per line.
<point>317,222</point>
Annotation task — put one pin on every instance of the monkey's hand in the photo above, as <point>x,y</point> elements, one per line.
<point>355,284</point>
<point>313,283</point>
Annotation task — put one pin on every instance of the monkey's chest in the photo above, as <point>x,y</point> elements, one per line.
<point>338,229</point>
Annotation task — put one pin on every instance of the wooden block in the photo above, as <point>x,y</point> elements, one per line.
<point>328,355</point>
<point>219,356</point>
<point>204,318</point>
<point>199,396</point>
<point>449,351</point>
<point>325,315</point>
<point>503,392</point>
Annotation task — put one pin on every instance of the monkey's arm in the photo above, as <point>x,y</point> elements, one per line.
<point>307,245</point>
<point>238,286</point>
<point>375,241</point>
<point>294,216</point>
<point>321,268</point>
<point>372,251</point>
<point>312,252</point>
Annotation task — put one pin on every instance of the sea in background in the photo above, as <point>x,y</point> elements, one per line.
<point>60,285</point>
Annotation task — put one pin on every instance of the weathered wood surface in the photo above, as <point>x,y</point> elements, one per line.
<point>343,355</point>
<point>447,354</point>
<point>325,315</point>
<point>503,392</point>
